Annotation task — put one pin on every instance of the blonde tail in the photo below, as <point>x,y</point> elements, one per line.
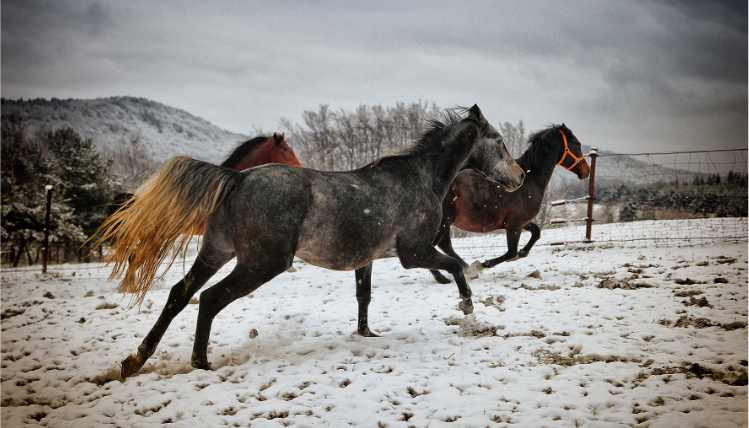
<point>161,218</point>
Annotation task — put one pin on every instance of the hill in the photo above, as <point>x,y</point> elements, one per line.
<point>166,131</point>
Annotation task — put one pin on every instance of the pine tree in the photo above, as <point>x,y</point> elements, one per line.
<point>83,180</point>
<point>23,168</point>
<point>628,211</point>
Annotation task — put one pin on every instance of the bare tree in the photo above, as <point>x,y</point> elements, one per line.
<point>131,163</point>
<point>514,136</point>
<point>346,140</point>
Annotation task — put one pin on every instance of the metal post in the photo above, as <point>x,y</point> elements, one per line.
<point>591,193</point>
<point>45,254</point>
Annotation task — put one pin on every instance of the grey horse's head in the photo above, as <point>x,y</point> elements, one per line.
<point>490,157</point>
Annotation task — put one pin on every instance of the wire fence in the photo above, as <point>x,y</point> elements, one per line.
<point>638,191</point>
<point>58,254</point>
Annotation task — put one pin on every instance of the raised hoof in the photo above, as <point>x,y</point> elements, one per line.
<point>367,333</point>
<point>522,254</point>
<point>472,271</point>
<point>466,306</point>
<point>130,366</point>
<point>202,365</point>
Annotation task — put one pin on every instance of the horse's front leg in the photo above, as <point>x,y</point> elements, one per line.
<point>513,236</point>
<point>363,297</point>
<point>427,257</point>
<point>535,235</point>
<point>445,244</point>
<point>443,236</point>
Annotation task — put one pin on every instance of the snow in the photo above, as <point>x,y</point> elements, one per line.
<point>586,335</point>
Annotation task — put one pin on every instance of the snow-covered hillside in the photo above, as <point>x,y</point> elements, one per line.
<point>166,131</point>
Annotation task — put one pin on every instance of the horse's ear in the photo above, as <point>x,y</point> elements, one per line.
<point>278,138</point>
<point>475,113</point>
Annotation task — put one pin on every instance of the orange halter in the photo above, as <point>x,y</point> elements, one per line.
<point>567,151</point>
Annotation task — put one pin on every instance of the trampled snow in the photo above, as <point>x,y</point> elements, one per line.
<point>587,335</point>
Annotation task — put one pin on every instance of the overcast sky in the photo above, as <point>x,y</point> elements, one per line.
<point>627,76</point>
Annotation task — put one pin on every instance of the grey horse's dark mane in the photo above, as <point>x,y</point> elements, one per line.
<point>541,146</point>
<point>430,140</point>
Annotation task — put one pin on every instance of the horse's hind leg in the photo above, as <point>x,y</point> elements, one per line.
<point>243,280</point>
<point>535,235</point>
<point>178,299</point>
<point>363,297</point>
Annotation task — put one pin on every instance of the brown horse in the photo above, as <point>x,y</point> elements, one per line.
<point>475,204</point>
<point>261,150</point>
<point>254,152</point>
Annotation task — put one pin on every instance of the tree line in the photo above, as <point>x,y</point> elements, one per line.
<point>709,195</point>
<point>704,196</point>
<point>344,140</point>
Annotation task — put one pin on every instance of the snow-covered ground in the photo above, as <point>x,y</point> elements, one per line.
<point>595,336</point>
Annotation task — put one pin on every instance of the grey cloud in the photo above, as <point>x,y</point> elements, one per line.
<point>595,65</point>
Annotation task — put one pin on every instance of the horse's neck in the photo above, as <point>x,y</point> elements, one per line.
<point>537,178</point>
<point>446,165</point>
<point>435,166</point>
<point>255,158</point>
<point>255,162</point>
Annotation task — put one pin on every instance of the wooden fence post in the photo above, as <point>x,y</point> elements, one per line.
<point>45,253</point>
<point>591,194</point>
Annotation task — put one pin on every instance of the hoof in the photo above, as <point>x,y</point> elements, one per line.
<point>367,333</point>
<point>472,271</point>
<point>130,366</point>
<point>466,306</point>
<point>522,254</point>
<point>202,365</point>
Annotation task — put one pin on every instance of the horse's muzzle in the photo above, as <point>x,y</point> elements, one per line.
<point>583,170</point>
<point>512,181</point>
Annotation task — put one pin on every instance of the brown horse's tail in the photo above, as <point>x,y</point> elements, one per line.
<point>160,218</point>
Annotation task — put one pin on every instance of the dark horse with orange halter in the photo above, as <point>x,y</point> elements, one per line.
<point>265,216</point>
<point>475,204</point>
<point>253,152</point>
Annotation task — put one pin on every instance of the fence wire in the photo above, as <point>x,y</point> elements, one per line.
<point>695,190</point>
